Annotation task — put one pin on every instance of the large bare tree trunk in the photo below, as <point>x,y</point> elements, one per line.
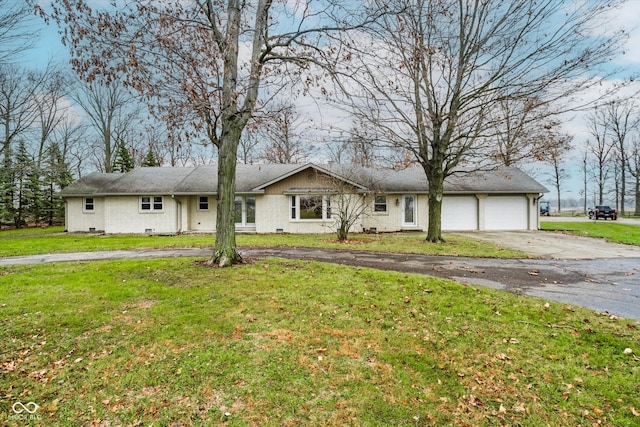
<point>225,250</point>
<point>435,177</point>
<point>637,210</point>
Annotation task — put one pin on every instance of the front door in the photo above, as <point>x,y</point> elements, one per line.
<point>409,210</point>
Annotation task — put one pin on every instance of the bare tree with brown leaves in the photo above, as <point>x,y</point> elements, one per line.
<point>523,131</point>
<point>431,76</point>
<point>202,65</point>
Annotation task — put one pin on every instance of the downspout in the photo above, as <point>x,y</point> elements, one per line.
<point>178,215</point>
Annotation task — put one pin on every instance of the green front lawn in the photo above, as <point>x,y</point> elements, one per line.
<point>54,240</point>
<point>611,230</point>
<point>277,343</point>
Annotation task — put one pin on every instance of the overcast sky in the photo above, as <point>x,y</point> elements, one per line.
<point>49,48</point>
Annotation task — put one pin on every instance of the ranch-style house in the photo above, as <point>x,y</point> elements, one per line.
<point>295,198</point>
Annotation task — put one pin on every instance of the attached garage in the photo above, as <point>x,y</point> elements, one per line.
<point>506,212</point>
<point>459,213</point>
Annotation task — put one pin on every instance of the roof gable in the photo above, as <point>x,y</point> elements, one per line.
<point>330,172</point>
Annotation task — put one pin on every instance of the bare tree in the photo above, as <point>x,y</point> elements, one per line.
<point>601,149</point>
<point>283,130</point>
<point>349,203</point>
<point>556,157</point>
<point>523,131</point>
<point>18,104</point>
<point>205,61</point>
<point>634,169</point>
<point>247,147</point>
<point>109,110</point>
<point>17,34</point>
<point>584,157</point>
<point>623,118</point>
<point>70,136</point>
<point>50,108</point>
<point>431,75</point>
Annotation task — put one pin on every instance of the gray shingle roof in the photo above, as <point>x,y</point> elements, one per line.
<point>253,178</point>
<point>90,184</point>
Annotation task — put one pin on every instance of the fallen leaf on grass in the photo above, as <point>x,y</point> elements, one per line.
<point>53,406</point>
<point>520,408</point>
<point>634,412</point>
<point>40,375</point>
<point>9,366</point>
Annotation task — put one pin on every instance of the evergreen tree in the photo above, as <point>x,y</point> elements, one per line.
<point>150,159</point>
<point>23,167</point>
<point>7,189</point>
<point>56,178</point>
<point>122,162</point>
<point>33,195</point>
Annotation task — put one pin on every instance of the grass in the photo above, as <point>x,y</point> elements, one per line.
<point>167,342</point>
<point>53,240</point>
<point>609,230</point>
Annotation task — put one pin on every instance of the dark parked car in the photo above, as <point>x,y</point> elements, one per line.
<point>603,211</point>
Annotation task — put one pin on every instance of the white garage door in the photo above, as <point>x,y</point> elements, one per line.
<point>505,213</point>
<point>459,213</point>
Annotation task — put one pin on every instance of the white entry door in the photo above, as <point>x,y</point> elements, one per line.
<point>409,210</point>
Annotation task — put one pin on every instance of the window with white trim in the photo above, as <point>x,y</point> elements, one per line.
<point>245,210</point>
<point>310,207</point>
<point>380,204</point>
<point>151,203</point>
<point>203,203</point>
<point>89,204</point>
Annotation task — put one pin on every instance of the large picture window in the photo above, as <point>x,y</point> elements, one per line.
<point>151,203</point>
<point>310,207</point>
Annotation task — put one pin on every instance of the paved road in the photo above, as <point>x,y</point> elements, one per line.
<point>603,284</point>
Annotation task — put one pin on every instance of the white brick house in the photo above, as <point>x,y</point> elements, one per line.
<point>274,198</point>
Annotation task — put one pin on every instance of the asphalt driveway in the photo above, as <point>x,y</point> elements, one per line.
<point>581,271</point>
<point>556,245</point>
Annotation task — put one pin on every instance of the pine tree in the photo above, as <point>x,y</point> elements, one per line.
<point>33,196</point>
<point>56,178</point>
<point>122,162</point>
<point>23,169</point>
<point>150,160</point>
<point>7,208</point>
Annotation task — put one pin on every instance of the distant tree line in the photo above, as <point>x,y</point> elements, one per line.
<point>611,156</point>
